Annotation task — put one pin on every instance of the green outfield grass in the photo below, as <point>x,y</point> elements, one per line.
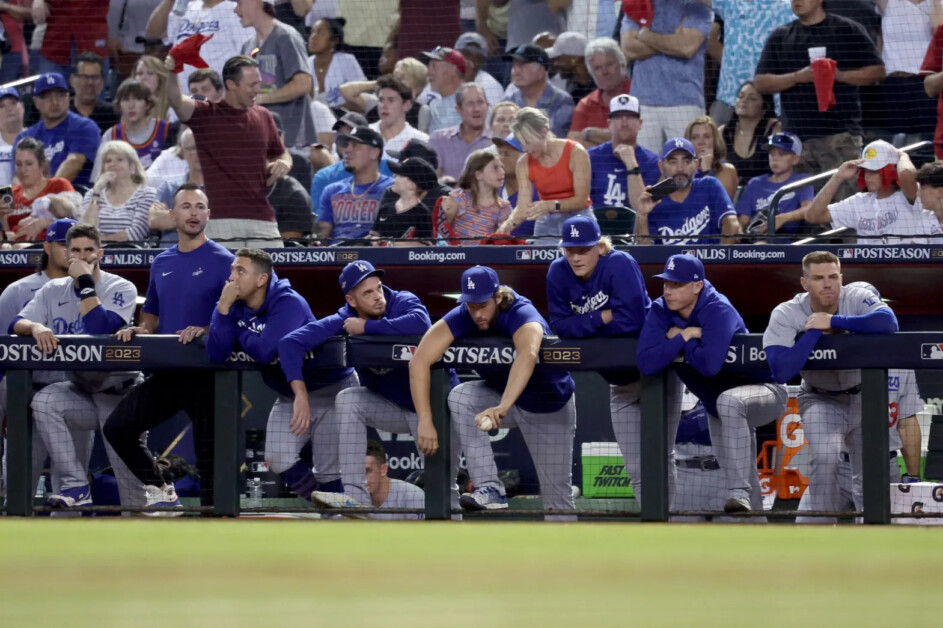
<point>340,573</point>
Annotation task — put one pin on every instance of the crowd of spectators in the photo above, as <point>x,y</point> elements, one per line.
<point>532,110</point>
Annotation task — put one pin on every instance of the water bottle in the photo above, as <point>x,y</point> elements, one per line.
<point>254,487</point>
<point>41,488</point>
<point>180,7</point>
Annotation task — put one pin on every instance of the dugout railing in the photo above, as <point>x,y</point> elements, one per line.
<point>873,354</point>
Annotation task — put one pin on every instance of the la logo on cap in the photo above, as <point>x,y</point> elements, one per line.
<point>50,79</point>
<point>679,143</point>
<point>671,264</point>
<point>471,284</point>
<point>574,232</point>
<point>361,267</point>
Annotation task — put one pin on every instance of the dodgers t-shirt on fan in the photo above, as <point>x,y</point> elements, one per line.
<point>548,390</point>
<point>352,209</point>
<point>74,134</point>
<point>185,287</point>
<point>759,192</point>
<point>700,214</point>
<point>609,182</point>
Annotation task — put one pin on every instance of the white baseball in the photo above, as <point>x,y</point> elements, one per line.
<point>486,425</point>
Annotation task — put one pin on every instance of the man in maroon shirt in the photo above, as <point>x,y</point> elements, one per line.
<point>241,154</point>
<point>82,23</point>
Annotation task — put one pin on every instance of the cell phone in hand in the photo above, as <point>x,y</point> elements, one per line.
<point>662,189</point>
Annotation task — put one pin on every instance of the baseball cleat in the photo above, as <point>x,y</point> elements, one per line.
<point>483,498</point>
<point>71,497</point>
<point>327,499</point>
<point>162,498</point>
<point>737,504</point>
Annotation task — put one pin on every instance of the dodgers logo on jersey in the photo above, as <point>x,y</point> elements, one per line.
<point>62,326</point>
<point>118,299</point>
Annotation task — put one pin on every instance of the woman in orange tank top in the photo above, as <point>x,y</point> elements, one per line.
<point>553,177</point>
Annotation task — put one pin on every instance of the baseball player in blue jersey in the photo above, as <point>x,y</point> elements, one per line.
<point>537,400</point>
<point>695,321</point>
<point>53,265</point>
<point>256,310</point>
<point>699,211</point>
<point>596,292</point>
<point>88,301</point>
<point>382,400</point>
<point>829,401</point>
<point>185,283</point>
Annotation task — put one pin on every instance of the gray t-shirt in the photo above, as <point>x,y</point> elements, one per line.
<point>402,495</point>
<point>787,322</point>
<point>57,306</point>
<point>280,57</point>
<point>527,18</point>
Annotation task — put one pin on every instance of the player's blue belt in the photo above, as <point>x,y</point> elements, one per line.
<point>120,387</point>
<point>854,390</point>
<point>843,456</point>
<point>704,463</point>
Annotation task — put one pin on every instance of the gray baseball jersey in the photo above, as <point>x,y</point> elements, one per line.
<point>14,298</point>
<point>787,322</point>
<point>57,306</point>
<point>904,399</point>
<point>402,495</point>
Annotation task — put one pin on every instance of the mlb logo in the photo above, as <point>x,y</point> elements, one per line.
<point>524,254</point>
<point>690,252</point>
<point>846,253</point>
<point>108,259</point>
<point>931,351</point>
<point>403,353</point>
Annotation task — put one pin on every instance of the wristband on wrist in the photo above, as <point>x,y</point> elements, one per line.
<point>86,284</point>
<point>635,170</point>
<point>556,207</point>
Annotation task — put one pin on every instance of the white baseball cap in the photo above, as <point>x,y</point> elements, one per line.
<point>623,103</point>
<point>569,43</point>
<point>878,154</point>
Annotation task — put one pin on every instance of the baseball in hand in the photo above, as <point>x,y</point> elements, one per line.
<point>487,424</point>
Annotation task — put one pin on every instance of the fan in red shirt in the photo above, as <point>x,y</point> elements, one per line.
<point>22,220</point>
<point>240,152</point>
<point>607,65</point>
<point>933,83</point>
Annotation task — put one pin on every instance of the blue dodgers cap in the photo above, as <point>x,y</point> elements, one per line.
<point>580,231</point>
<point>355,272</point>
<point>786,141</point>
<point>10,92</point>
<point>510,140</point>
<point>683,269</point>
<point>677,143</point>
<point>48,81</point>
<point>57,231</point>
<point>479,283</point>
